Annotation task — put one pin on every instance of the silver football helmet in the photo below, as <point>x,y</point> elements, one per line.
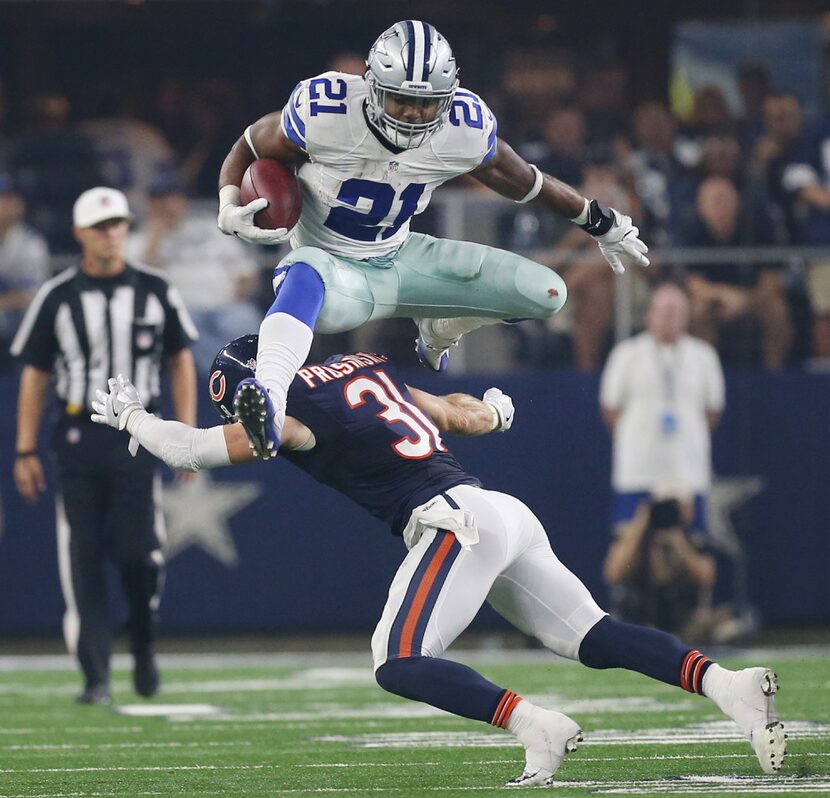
<point>410,66</point>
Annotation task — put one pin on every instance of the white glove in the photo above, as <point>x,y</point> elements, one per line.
<point>621,245</point>
<point>115,408</point>
<point>238,220</point>
<point>502,406</point>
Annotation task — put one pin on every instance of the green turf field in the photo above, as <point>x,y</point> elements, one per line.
<point>317,724</point>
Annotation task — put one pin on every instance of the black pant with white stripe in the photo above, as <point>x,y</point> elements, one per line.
<point>106,511</point>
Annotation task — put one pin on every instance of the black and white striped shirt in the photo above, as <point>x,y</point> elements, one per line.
<point>87,329</point>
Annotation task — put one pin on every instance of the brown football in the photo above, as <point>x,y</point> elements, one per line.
<point>276,182</point>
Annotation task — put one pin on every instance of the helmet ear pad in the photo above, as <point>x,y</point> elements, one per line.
<point>234,362</point>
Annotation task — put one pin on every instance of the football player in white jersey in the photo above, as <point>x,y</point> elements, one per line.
<point>369,152</point>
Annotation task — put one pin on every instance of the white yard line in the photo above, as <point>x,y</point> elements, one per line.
<point>115,746</point>
<point>362,658</point>
<point>693,734</point>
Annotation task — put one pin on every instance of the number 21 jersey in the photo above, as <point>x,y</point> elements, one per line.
<point>359,191</point>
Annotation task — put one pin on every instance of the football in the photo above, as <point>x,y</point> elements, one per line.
<point>277,183</point>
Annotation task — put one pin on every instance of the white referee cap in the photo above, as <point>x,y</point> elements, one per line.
<point>99,204</point>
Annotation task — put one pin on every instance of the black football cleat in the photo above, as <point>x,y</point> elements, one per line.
<point>95,694</point>
<point>146,677</point>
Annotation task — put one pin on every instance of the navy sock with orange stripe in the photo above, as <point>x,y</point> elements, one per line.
<point>449,686</point>
<point>613,644</point>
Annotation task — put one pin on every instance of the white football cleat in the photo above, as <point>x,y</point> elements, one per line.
<point>432,351</point>
<point>750,702</point>
<point>547,736</point>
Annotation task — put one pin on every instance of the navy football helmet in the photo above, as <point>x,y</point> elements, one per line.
<point>234,362</point>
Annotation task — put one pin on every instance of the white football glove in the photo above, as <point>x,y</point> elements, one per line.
<point>621,245</point>
<point>502,405</point>
<point>238,220</point>
<point>115,408</point>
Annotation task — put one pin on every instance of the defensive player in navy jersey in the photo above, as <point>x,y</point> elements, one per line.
<point>369,151</point>
<point>353,425</point>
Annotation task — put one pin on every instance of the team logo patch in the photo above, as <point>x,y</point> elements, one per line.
<point>217,386</point>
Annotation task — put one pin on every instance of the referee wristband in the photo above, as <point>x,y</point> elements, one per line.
<point>27,453</point>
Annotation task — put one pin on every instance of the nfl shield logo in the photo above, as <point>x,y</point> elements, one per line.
<point>144,340</point>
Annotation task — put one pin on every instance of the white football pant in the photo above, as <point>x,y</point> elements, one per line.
<point>440,587</point>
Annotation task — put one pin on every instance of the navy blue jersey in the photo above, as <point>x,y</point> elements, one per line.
<point>373,444</point>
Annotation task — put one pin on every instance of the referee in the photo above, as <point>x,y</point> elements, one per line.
<point>86,324</point>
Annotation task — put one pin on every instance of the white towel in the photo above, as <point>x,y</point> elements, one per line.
<point>437,513</point>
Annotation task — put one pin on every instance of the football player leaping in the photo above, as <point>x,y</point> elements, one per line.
<point>353,425</point>
<point>370,151</point>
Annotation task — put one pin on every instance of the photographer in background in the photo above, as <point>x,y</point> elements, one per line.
<point>659,571</point>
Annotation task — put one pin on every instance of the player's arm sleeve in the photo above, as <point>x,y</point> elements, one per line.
<point>181,446</point>
<point>295,116</point>
<point>179,330</point>
<point>36,343</point>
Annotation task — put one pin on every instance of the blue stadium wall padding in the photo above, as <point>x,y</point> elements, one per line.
<point>308,560</point>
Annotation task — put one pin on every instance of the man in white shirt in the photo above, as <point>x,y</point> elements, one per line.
<point>662,392</point>
<point>216,275</point>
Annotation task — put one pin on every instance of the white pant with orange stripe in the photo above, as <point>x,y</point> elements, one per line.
<point>440,587</point>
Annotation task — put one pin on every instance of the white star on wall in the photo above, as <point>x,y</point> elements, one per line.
<point>197,514</point>
<point>727,494</point>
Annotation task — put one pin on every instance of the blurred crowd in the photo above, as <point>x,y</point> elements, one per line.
<point>703,188</point>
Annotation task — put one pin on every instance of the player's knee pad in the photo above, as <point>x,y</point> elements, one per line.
<point>347,300</point>
<point>298,291</point>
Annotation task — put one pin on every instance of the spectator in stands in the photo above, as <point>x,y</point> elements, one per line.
<point>170,111</point>
<point>587,316</point>
<point>788,157</point>
<point>51,165</point>
<point>562,153</point>
<point>656,169</point>
<point>661,573</point>
<point>129,150</point>
<point>216,119</point>
<point>215,274</point>
<point>710,114</point>
<point>563,149</point>
<point>24,263</point>
<point>720,156</point>
<point>661,394</point>
<point>532,83</point>
<point>730,293</point>
<point>603,98</point>
<point>795,162</point>
<point>754,85</point>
